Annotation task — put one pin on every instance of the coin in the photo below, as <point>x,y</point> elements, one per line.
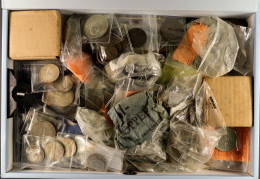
<point>69,145</point>
<point>63,99</point>
<point>97,162</point>
<point>54,150</point>
<point>43,128</point>
<point>63,85</point>
<point>110,53</point>
<point>172,30</point>
<point>137,37</point>
<point>228,141</point>
<point>96,26</point>
<point>34,154</point>
<point>49,73</point>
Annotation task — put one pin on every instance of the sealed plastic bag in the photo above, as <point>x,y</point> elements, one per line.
<point>210,46</point>
<point>136,118</point>
<point>195,130</point>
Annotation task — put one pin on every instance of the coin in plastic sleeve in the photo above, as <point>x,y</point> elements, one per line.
<point>96,26</point>
<point>228,141</point>
<point>49,73</point>
<point>43,128</point>
<point>60,99</point>
<point>63,85</point>
<point>172,30</point>
<point>137,37</point>
<point>54,150</point>
<point>34,154</point>
<point>97,162</point>
<point>69,145</point>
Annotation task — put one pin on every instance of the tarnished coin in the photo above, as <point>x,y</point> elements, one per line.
<point>63,85</point>
<point>49,73</point>
<point>63,99</point>
<point>97,162</point>
<point>54,150</point>
<point>43,128</point>
<point>137,37</point>
<point>69,145</point>
<point>96,26</point>
<point>228,142</point>
<point>172,30</point>
<point>110,53</point>
<point>34,154</point>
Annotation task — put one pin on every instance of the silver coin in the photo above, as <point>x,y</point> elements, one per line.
<point>54,150</point>
<point>43,128</point>
<point>49,73</point>
<point>96,26</point>
<point>228,141</point>
<point>63,99</point>
<point>69,145</point>
<point>34,154</point>
<point>63,85</point>
<point>97,162</point>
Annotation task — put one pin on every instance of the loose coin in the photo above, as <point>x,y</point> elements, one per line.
<point>63,99</point>
<point>97,162</point>
<point>110,53</point>
<point>63,85</point>
<point>43,128</point>
<point>137,37</point>
<point>49,73</point>
<point>96,26</point>
<point>228,141</point>
<point>34,154</point>
<point>172,30</point>
<point>69,145</point>
<point>54,150</point>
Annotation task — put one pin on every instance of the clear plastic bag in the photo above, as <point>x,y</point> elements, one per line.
<point>210,46</point>
<point>95,126</point>
<point>130,65</point>
<point>142,32</point>
<point>244,60</point>
<point>44,73</point>
<point>195,131</point>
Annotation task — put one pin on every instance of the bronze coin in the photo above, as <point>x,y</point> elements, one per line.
<point>124,43</point>
<point>110,53</point>
<point>137,37</point>
<point>69,145</point>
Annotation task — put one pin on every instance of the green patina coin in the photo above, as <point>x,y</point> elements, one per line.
<point>228,141</point>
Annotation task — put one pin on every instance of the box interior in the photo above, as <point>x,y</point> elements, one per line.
<point>250,17</point>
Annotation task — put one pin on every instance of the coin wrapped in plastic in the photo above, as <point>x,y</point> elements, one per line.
<point>136,118</point>
<point>210,46</point>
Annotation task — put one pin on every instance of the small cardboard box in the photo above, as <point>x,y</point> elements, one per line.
<point>35,35</point>
<point>234,97</point>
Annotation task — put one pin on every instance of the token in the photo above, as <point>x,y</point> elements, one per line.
<point>43,128</point>
<point>110,53</point>
<point>96,26</point>
<point>228,141</point>
<point>172,30</point>
<point>137,37</point>
<point>63,99</point>
<point>49,73</point>
<point>63,85</point>
<point>69,145</point>
<point>97,162</point>
<point>34,154</point>
<point>54,150</point>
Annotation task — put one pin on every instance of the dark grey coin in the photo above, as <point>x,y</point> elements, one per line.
<point>137,37</point>
<point>43,128</point>
<point>96,26</point>
<point>34,154</point>
<point>110,53</point>
<point>172,30</point>
<point>228,141</point>
<point>97,162</point>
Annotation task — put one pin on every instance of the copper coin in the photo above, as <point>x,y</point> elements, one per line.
<point>49,73</point>
<point>110,53</point>
<point>137,37</point>
<point>43,128</point>
<point>54,150</point>
<point>34,154</point>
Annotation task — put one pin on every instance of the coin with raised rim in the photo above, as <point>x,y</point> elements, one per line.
<point>49,73</point>
<point>43,128</point>
<point>69,145</point>
<point>34,154</point>
<point>54,150</point>
<point>63,99</point>
<point>137,37</point>
<point>172,30</point>
<point>96,26</point>
<point>97,162</point>
<point>228,141</point>
<point>64,84</point>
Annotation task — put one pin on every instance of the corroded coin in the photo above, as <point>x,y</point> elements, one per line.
<point>54,150</point>
<point>69,145</point>
<point>96,26</point>
<point>228,141</point>
<point>137,37</point>
<point>34,154</point>
<point>63,99</point>
<point>63,85</point>
<point>97,162</point>
<point>43,128</point>
<point>49,73</point>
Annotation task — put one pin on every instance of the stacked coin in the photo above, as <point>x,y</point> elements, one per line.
<point>228,141</point>
<point>43,128</point>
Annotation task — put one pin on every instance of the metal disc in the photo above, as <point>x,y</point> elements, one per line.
<point>54,150</point>
<point>43,128</point>
<point>34,154</point>
<point>49,73</point>
<point>96,26</point>
<point>228,141</point>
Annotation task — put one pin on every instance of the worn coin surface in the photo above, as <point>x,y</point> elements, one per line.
<point>43,128</point>
<point>110,53</point>
<point>172,30</point>
<point>34,154</point>
<point>137,37</point>
<point>54,150</point>
<point>49,73</point>
<point>96,26</point>
<point>228,141</point>
<point>63,99</point>
<point>97,162</point>
<point>69,145</point>
<point>64,84</point>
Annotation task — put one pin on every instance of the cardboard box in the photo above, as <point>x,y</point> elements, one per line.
<point>35,35</point>
<point>234,97</point>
